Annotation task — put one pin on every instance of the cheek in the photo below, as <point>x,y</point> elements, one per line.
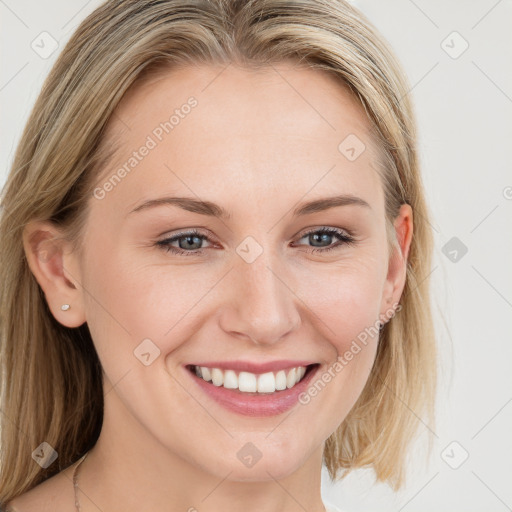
<point>130,301</point>
<point>344,298</point>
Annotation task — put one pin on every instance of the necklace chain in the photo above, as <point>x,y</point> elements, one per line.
<point>75,482</point>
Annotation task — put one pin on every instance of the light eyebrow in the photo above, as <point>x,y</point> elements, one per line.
<point>214,210</point>
<point>325,203</point>
<point>187,203</point>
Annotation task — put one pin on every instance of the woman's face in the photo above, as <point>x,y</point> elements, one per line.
<point>261,284</point>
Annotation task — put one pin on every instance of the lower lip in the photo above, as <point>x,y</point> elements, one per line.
<point>255,404</point>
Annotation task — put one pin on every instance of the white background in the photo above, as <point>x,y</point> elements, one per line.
<point>463,107</point>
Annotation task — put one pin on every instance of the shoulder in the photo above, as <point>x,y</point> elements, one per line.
<point>53,495</point>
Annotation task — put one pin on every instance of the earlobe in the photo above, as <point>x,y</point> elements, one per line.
<point>56,269</point>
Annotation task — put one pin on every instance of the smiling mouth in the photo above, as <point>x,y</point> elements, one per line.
<point>253,383</point>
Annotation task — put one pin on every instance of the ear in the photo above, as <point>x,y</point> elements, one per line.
<point>397,267</point>
<point>57,271</point>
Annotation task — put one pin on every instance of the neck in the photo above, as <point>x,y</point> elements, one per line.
<point>129,469</point>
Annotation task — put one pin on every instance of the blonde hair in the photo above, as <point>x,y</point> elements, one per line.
<point>50,375</point>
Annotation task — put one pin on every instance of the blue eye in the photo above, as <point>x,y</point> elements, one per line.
<point>189,239</point>
<point>317,235</point>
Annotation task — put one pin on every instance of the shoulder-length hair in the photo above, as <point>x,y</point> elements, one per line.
<point>50,385</point>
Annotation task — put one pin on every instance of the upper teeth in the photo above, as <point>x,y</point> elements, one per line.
<point>251,382</point>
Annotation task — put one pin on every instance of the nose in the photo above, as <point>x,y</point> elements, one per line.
<point>261,304</point>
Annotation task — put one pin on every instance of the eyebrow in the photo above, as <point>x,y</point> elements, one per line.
<point>214,210</point>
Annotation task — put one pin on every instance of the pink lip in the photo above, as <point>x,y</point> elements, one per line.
<point>246,366</point>
<point>256,404</point>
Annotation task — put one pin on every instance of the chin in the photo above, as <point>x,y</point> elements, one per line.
<point>262,471</point>
<point>261,461</point>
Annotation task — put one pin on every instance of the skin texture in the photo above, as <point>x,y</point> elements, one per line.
<point>258,143</point>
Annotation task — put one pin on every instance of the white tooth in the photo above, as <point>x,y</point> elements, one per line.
<point>247,382</point>
<point>217,377</point>
<point>230,379</point>
<point>290,379</point>
<point>205,372</point>
<point>280,380</point>
<point>266,383</point>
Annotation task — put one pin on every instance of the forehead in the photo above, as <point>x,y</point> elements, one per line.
<point>278,128</point>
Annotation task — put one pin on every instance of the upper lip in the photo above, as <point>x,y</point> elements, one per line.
<point>252,367</point>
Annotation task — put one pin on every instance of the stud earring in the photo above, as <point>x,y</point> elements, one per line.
<point>65,307</point>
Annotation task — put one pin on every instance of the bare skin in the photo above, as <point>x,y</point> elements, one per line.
<point>257,147</point>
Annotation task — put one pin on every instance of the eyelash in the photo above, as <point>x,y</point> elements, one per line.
<point>344,237</point>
